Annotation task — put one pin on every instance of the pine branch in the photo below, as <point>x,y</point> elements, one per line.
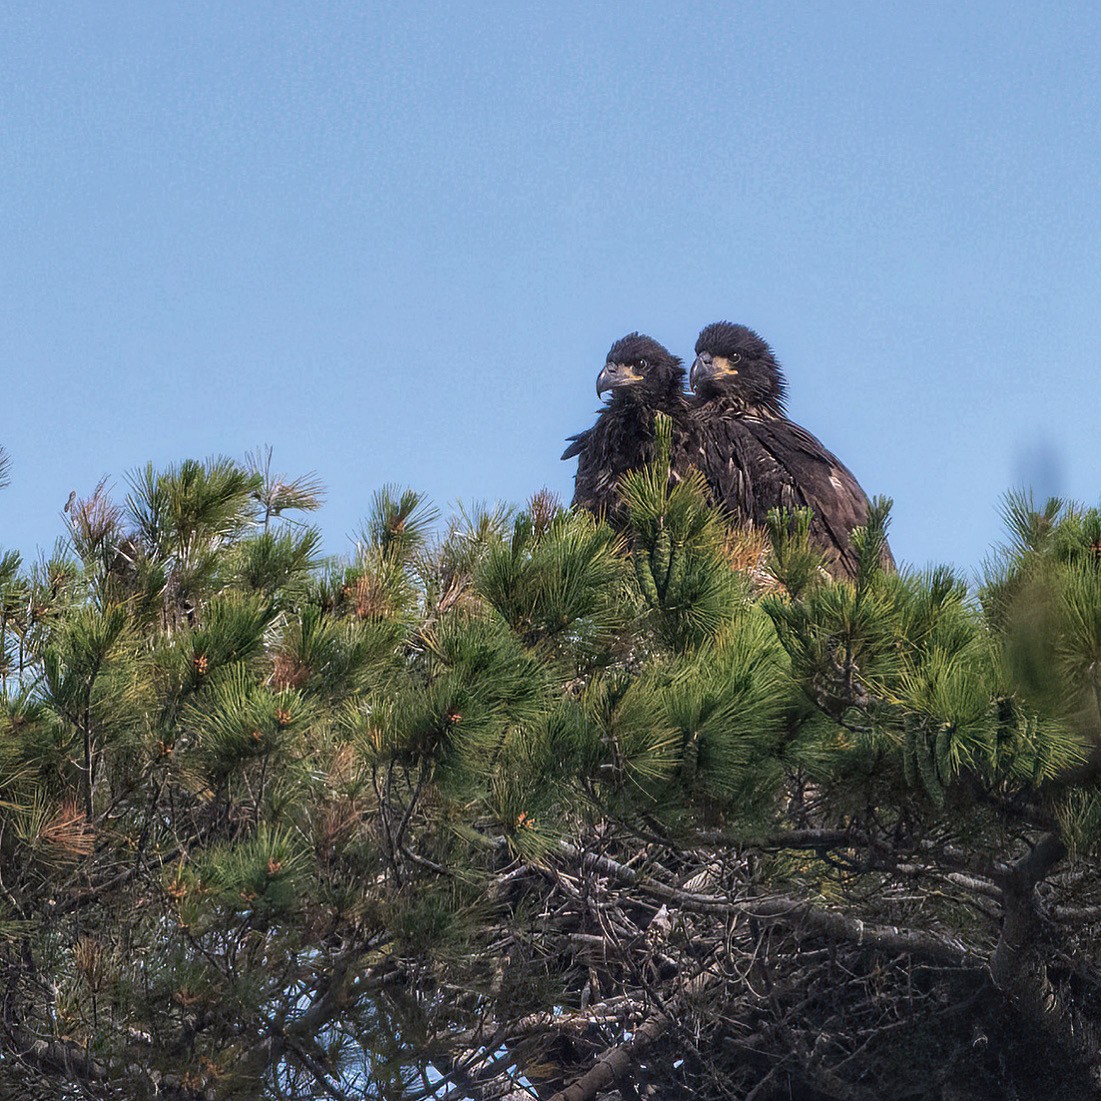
<point>66,1062</point>
<point>796,913</point>
<point>1017,969</point>
<point>616,1062</point>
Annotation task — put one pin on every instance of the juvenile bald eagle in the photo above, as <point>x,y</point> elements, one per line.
<point>644,378</point>
<point>754,458</point>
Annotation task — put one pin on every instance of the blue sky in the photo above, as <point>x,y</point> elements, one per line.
<point>395,241</point>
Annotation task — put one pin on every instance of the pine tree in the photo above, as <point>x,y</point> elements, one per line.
<point>522,803</point>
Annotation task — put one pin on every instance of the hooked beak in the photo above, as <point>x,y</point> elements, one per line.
<point>615,375</point>
<point>703,367</point>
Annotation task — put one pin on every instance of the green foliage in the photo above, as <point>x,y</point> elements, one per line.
<point>1042,597</point>
<point>275,494</point>
<point>528,792</point>
<point>870,543</point>
<point>1030,529</point>
<point>909,667</point>
<point>273,811</point>
<point>558,586</point>
<point>677,544</point>
<point>188,511</point>
<point>334,657</point>
<point>796,564</point>
<point>233,630</point>
<point>727,701</point>
<point>236,721</point>
<point>479,683</point>
<point>399,523</point>
<point>1078,813</point>
<point>277,564</point>
<point>637,742</point>
<point>263,875</point>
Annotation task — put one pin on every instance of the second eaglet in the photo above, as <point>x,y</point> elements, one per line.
<point>755,459</point>
<point>643,378</point>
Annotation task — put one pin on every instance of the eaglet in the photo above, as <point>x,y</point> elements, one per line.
<point>643,378</point>
<point>755,459</point>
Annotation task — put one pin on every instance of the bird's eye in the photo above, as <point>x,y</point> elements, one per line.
<point>736,357</point>
<point>643,364</point>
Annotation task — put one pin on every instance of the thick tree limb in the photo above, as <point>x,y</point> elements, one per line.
<point>1018,971</point>
<point>619,1061</point>
<point>944,951</point>
<point>67,1061</point>
<point>616,1063</point>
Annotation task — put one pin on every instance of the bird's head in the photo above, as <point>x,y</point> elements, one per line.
<point>639,366</point>
<point>733,361</point>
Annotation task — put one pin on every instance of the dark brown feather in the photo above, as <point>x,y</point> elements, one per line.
<point>622,438</point>
<point>755,459</point>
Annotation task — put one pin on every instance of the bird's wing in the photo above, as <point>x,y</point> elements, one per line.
<point>622,439</point>
<point>577,443</point>
<point>727,455</point>
<point>588,479</point>
<point>603,452</point>
<point>813,477</point>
